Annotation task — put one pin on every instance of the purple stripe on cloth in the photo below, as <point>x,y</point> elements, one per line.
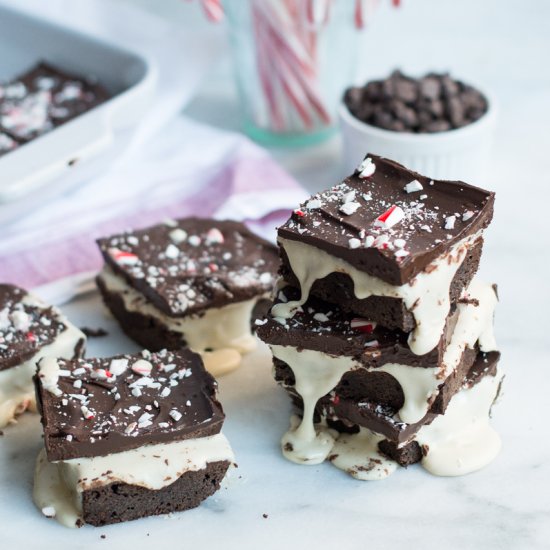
<point>79,253</point>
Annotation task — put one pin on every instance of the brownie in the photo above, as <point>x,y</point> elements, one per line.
<point>324,327</point>
<point>187,266</point>
<point>372,399</point>
<point>345,411</point>
<point>95,407</point>
<point>392,313</point>
<point>119,502</point>
<point>43,98</point>
<point>26,326</point>
<point>389,221</point>
<point>146,330</point>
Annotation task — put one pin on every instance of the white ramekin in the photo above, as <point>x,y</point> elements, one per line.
<point>461,154</point>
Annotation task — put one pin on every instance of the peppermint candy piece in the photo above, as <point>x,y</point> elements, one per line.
<point>349,208</point>
<point>142,367</point>
<point>413,186</point>
<point>390,217</point>
<point>214,236</point>
<point>362,325</point>
<point>450,222</point>
<point>366,168</point>
<point>122,257</point>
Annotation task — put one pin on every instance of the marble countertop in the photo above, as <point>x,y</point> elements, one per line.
<point>502,46</point>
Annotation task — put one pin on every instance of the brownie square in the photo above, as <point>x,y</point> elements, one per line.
<point>29,330</point>
<point>127,437</point>
<point>44,97</point>
<point>189,282</point>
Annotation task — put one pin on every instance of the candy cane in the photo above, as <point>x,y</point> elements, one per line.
<point>265,80</point>
<point>213,10</point>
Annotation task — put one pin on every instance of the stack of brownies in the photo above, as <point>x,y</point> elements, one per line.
<point>379,331</point>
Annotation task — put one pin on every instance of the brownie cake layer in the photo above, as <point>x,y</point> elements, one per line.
<point>119,502</point>
<point>324,327</point>
<point>94,407</point>
<point>392,313</point>
<point>29,330</point>
<point>148,331</point>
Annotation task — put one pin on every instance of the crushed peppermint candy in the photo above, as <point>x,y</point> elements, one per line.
<point>123,258</point>
<point>116,366</point>
<point>413,186</point>
<point>313,204</point>
<point>366,168</point>
<point>362,325</point>
<point>175,415</point>
<point>178,235</point>
<point>450,222</point>
<point>400,243</point>
<point>467,215</point>
<point>390,217</point>
<point>172,252</point>
<point>321,317</point>
<point>349,208</point>
<point>354,243</point>
<point>142,367</point>
<point>214,236</point>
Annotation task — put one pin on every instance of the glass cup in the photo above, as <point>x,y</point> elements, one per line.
<point>293,59</point>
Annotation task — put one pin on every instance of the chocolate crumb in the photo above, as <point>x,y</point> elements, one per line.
<point>265,516</point>
<point>94,332</point>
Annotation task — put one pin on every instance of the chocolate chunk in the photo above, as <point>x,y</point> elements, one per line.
<point>430,87</point>
<point>433,103</point>
<point>406,90</point>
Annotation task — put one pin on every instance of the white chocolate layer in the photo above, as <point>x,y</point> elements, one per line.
<point>426,296</point>
<point>462,441</point>
<point>16,386</point>
<point>457,443</point>
<point>224,330</point>
<point>358,455</point>
<point>59,485</point>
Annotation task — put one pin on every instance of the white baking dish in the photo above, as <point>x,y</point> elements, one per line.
<point>42,164</point>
